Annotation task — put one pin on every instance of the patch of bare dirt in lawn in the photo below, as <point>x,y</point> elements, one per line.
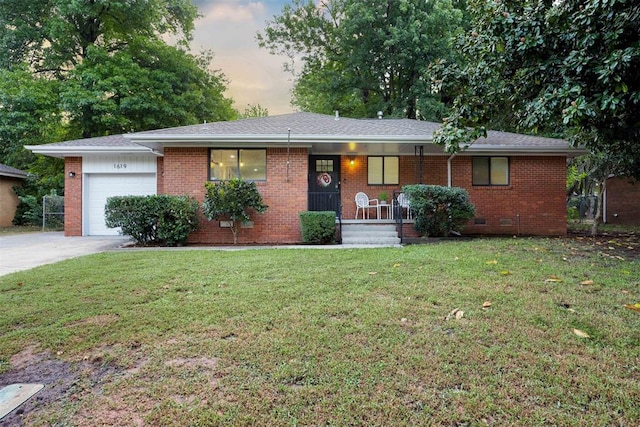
<point>61,380</point>
<point>84,386</point>
<point>621,245</point>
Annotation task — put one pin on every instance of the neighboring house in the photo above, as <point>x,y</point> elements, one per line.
<point>9,178</point>
<point>306,161</point>
<point>621,202</point>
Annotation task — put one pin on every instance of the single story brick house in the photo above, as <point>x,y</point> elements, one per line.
<point>621,201</point>
<point>10,177</point>
<point>307,161</point>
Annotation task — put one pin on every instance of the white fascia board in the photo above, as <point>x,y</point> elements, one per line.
<point>519,150</point>
<point>14,175</point>
<point>79,151</point>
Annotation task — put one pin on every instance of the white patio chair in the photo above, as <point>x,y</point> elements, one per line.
<point>365,203</point>
<point>403,202</point>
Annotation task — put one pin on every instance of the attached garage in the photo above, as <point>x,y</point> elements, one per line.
<point>99,168</point>
<point>109,176</point>
<point>98,187</point>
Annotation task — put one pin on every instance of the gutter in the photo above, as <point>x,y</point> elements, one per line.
<point>66,151</point>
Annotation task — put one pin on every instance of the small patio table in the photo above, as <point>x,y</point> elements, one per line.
<point>386,206</point>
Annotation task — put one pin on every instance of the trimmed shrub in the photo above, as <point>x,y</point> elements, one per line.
<point>153,220</point>
<point>318,228</point>
<point>439,210</point>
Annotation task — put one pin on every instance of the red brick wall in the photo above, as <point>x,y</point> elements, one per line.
<point>73,196</point>
<point>534,203</point>
<point>622,202</point>
<point>185,171</point>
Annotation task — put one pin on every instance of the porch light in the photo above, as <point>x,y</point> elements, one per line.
<point>72,174</point>
<point>352,160</point>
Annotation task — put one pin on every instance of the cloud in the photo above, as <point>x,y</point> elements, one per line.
<point>255,77</point>
<point>235,13</point>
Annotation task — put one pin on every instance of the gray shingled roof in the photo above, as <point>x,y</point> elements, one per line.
<point>304,124</point>
<point>100,141</point>
<point>324,133</point>
<point>12,172</point>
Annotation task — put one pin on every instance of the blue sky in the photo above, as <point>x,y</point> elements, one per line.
<point>228,27</point>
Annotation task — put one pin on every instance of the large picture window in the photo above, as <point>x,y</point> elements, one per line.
<point>490,171</point>
<point>248,164</point>
<point>383,170</point>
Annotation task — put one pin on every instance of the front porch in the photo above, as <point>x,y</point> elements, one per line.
<point>374,231</point>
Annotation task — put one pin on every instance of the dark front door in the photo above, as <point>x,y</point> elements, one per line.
<point>324,183</point>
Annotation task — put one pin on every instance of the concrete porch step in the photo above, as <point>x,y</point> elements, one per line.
<point>369,234</point>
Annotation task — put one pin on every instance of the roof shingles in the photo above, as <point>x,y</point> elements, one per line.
<point>314,127</point>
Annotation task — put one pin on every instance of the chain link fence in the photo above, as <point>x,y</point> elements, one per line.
<point>52,212</point>
<point>582,208</point>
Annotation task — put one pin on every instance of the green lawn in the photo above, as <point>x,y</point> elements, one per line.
<point>336,337</point>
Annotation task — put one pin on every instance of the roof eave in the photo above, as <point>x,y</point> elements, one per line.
<point>79,151</point>
<point>14,175</point>
<point>520,150</point>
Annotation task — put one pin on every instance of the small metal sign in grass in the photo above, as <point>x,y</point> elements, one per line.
<point>15,395</point>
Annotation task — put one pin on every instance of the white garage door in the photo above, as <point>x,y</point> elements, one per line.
<point>97,187</point>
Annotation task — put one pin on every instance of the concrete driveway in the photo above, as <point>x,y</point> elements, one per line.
<point>27,250</point>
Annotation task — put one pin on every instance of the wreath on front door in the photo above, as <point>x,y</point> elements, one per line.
<point>323,179</point>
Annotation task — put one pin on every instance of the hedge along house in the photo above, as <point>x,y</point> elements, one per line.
<point>306,161</point>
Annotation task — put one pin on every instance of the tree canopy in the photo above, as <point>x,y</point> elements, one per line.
<point>55,35</point>
<point>361,57</point>
<point>85,68</point>
<point>567,68</point>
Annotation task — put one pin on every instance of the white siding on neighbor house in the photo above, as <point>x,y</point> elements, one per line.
<point>119,164</point>
<point>108,176</point>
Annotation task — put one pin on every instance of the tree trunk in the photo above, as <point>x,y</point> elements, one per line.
<point>235,228</point>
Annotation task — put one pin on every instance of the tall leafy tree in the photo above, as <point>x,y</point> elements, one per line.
<point>146,85</point>
<point>29,114</point>
<point>569,67</point>
<point>83,68</point>
<point>361,57</point>
<point>55,35</point>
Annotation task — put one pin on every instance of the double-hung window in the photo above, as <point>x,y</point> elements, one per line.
<point>248,164</point>
<point>490,171</point>
<point>383,170</point>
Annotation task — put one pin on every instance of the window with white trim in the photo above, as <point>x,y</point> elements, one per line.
<point>248,164</point>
